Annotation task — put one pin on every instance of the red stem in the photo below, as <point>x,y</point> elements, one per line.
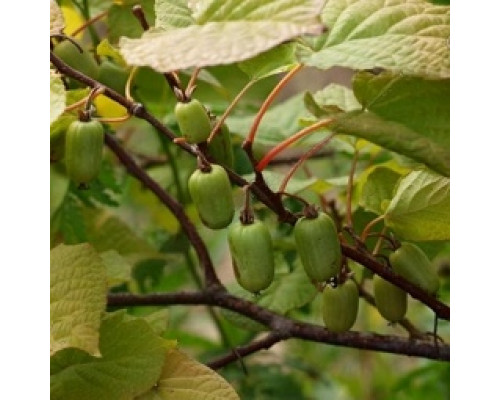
<point>253,130</point>
<point>292,139</point>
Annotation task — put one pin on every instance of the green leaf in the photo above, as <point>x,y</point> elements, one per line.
<point>377,188</point>
<point>422,105</point>
<point>158,321</point>
<point>106,49</point>
<point>183,378</point>
<point>288,292</point>
<point>420,208</point>
<point>274,61</point>
<point>118,269</point>
<point>408,36</point>
<point>59,127</point>
<point>300,11</point>
<point>57,96</point>
<point>172,14</point>
<point>408,115</point>
<point>214,43</point>
<point>56,19</point>
<point>72,224</point>
<point>107,232</point>
<point>59,184</point>
<point>396,137</point>
<point>131,362</point>
<point>77,297</point>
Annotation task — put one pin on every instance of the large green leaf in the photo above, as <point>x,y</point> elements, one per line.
<point>420,208</point>
<point>57,96</point>
<point>77,297</point>
<point>214,43</point>
<point>396,137</point>
<point>422,105</point>
<point>226,32</point>
<point>406,114</point>
<point>131,362</point>
<point>172,14</point>
<point>302,11</point>
<point>409,36</point>
<point>183,378</point>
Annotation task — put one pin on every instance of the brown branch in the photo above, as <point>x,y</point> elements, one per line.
<point>135,109</point>
<point>172,204</point>
<point>367,260</point>
<point>286,328</point>
<point>242,351</point>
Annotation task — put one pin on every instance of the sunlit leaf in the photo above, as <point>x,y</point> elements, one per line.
<point>57,96</point>
<point>409,36</point>
<point>183,378</point>
<point>77,297</point>
<point>420,208</point>
<point>214,43</point>
<point>274,61</point>
<point>378,187</point>
<point>172,14</point>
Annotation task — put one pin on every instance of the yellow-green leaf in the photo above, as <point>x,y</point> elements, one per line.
<point>118,269</point>
<point>420,208</point>
<point>57,96</point>
<point>408,36</point>
<point>183,378</point>
<point>214,43</point>
<point>77,297</point>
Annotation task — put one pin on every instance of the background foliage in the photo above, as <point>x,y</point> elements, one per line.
<point>118,237</point>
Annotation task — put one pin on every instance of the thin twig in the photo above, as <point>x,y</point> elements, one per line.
<point>90,22</point>
<point>229,108</point>
<point>369,226</point>
<point>265,105</point>
<point>242,351</point>
<point>308,154</point>
<point>171,77</point>
<point>192,81</point>
<point>290,140</point>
